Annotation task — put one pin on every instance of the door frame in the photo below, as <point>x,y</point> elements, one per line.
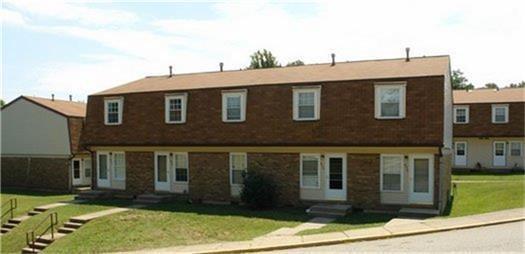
<point>504,157</point>
<point>105,183</point>
<point>465,163</point>
<point>335,195</point>
<point>419,198</point>
<point>162,186</point>
<point>80,179</point>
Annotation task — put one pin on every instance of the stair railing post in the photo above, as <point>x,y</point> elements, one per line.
<point>11,207</point>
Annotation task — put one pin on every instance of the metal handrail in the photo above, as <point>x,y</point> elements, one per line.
<point>13,204</point>
<point>30,235</point>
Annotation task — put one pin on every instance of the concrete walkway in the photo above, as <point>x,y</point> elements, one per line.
<point>315,223</point>
<point>399,228</point>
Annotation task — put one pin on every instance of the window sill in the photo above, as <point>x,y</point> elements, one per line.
<point>461,123</point>
<point>500,122</point>
<point>233,121</point>
<point>307,120</point>
<point>175,122</point>
<point>392,191</point>
<point>112,124</point>
<point>389,118</point>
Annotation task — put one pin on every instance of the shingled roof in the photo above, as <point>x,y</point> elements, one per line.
<point>354,70</point>
<point>67,108</point>
<point>489,95</point>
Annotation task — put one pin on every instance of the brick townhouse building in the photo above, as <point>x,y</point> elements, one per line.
<point>375,134</point>
<point>489,129</point>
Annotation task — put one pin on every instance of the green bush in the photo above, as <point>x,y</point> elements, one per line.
<point>259,191</point>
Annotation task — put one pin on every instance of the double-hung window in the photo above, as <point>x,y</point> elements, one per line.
<point>516,148</point>
<point>181,167</point>
<point>238,167</point>
<point>113,111</point>
<point>234,106</point>
<point>500,113</point>
<point>310,170</point>
<point>175,108</point>
<point>461,114</point>
<point>390,100</point>
<point>392,172</point>
<point>306,103</point>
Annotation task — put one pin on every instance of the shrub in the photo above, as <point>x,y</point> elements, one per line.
<point>259,191</point>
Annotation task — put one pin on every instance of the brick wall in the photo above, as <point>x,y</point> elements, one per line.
<point>209,177</point>
<point>140,174</point>
<point>37,173</point>
<point>480,122</point>
<point>363,180</point>
<point>284,169</point>
<point>347,118</point>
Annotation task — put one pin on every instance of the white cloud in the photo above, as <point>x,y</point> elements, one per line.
<point>12,17</point>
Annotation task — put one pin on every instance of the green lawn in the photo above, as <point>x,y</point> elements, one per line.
<point>27,200</point>
<point>176,224</point>
<point>14,241</point>
<point>487,177</point>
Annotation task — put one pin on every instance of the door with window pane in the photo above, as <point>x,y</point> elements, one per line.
<point>335,166</point>
<point>460,154</point>
<point>421,179</point>
<point>162,182</point>
<point>103,170</point>
<point>76,172</point>
<point>499,153</point>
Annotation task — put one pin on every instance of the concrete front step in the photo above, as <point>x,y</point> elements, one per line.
<point>153,198</point>
<point>33,213</point>
<point>93,194</point>
<point>71,224</point>
<point>5,230</point>
<point>38,245</point>
<point>9,225</point>
<point>329,210</point>
<point>15,220</point>
<point>418,212</point>
<point>29,250</point>
<point>65,230</point>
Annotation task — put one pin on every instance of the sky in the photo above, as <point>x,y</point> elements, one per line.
<point>79,48</point>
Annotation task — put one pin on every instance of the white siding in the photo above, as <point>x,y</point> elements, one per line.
<point>29,129</point>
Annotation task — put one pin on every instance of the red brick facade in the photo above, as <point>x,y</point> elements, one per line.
<point>480,122</point>
<point>347,118</point>
<point>36,173</point>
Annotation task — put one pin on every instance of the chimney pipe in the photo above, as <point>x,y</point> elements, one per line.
<point>407,50</point>
<point>70,97</point>
<point>221,65</point>
<point>52,97</point>
<point>171,71</point>
<point>333,59</point>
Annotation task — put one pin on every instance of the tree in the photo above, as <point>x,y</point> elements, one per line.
<point>263,59</point>
<point>295,63</point>
<point>491,86</point>
<point>460,82</point>
<point>2,103</point>
<point>520,84</point>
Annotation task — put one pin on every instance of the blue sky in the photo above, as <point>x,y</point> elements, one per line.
<point>80,48</point>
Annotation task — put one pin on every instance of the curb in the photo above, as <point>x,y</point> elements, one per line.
<point>366,238</point>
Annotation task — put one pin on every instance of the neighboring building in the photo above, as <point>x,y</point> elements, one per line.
<point>41,144</point>
<point>376,134</point>
<point>489,129</point>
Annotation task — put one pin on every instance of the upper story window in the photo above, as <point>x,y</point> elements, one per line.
<point>113,111</point>
<point>234,106</point>
<point>306,103</point>
<point>461,114</point>
<point>175,108</point>
<point>500,113</point>
<point>390,100</point>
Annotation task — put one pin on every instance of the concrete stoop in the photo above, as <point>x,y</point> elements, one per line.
<point>93,195</point>
<point>153,198</point>
<point>329,210</point>
<point>81,189</point>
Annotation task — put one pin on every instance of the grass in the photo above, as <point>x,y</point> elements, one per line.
<point>176,224</point>
<point>352,221</point>
<point>14,241</point>
<point>481,176</point>
<point>27,200</point>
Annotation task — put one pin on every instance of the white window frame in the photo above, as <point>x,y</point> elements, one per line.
<point>234,93</point>
<point>113,168</point>
<point>175,167</point>
<point>120,102</point>
<point>318,156</point>
<point>108,165</point>
<point>402,175</point>
<point>183,97</point>
<point>494,107</point>
<point>231,167</point>
<point>520,144</point>
<point>317,102</point>
<point>402,100</point>
<point>467,114</point>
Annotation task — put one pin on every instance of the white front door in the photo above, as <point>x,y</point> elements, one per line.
<point>421,170</point>
<point>162,178</point>
<point>103,169</point>
<point>499,153</point>
<point>460,155</point>
<point>335,167</point>
<point>76,171</point>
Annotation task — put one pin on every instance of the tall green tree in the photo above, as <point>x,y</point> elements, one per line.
<point>459,81</point>
<point>491,86</point>
<point>263,59</point>
<point>2,103</point>
<point>520,84</point>
<point>295,63</point>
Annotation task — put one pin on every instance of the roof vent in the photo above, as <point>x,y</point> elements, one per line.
<point>407,50</point>
<point>171,71</point>
<point>221,65</point>
<point>52,97</point>
<point>333,59</point>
